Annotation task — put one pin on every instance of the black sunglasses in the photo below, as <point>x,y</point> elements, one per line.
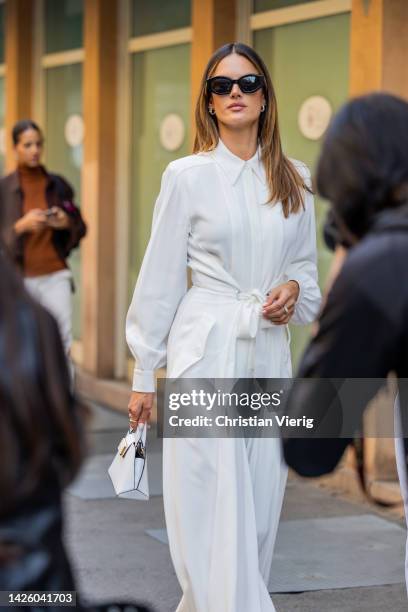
<point>249,83</point>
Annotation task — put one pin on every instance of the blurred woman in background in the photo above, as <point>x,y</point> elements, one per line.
<point>40,226</point>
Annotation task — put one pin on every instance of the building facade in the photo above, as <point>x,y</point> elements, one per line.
<point>113,84</point>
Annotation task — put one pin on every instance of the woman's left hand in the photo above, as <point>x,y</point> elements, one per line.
<point>59,220</point>
<point>281,302</point>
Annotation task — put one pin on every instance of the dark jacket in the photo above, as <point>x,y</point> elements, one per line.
<point>363,333</point>
<point>32,523</point>
<point>33,555</point>
<point>58,193</point>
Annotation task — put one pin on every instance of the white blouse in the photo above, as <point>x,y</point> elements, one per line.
<point>212,215</point>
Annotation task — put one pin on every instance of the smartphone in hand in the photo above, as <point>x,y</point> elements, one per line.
<point>50,212</point>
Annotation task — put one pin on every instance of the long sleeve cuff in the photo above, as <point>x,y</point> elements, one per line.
<point>309,299</point>
<point>144,381</point>
<point>300,282</point>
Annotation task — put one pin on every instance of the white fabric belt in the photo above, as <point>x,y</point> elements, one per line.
<point>245,324</point>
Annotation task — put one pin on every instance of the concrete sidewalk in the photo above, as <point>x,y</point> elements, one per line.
<point>114,558</point>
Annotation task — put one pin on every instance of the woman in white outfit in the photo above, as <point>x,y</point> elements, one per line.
<point>241,216</point>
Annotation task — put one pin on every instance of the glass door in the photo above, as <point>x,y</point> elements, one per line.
<point>160,103</point>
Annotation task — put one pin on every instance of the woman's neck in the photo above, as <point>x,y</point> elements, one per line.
<point>24,169</point>
<point>242,143</point>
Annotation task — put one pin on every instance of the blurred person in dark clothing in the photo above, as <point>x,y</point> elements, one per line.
<point>40,226</point>
<point>363,327</point>
<point>335,242</point>
<point>41,441</point>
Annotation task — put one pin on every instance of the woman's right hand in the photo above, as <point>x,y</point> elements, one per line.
<point>140,408</point>
<point>33,221</point>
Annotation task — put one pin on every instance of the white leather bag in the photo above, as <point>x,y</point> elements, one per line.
<point>128,470</point>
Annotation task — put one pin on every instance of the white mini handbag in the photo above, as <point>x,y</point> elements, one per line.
<point>128,470</point>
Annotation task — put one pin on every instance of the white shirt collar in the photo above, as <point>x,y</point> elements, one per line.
<point>233,165</point>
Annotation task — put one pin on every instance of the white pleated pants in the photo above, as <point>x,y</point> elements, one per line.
<point>222,502</point>
<point>53,291</point>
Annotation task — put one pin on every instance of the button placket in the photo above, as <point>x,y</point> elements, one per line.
<point>250,193</point>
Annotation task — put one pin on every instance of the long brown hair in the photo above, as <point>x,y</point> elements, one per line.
<point>285,183</point>
<point>42,437</point>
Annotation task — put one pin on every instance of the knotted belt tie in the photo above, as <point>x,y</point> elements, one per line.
<point>245,324</point>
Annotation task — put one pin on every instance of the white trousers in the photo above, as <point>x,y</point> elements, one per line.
<point>402,472</point>
<point>222,501</point>
<point>53,291</point>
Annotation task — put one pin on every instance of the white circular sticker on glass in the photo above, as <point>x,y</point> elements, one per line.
<point>172,132</point>
<point>74,130</point>
<point>2,141</point>
<point>314,117</point>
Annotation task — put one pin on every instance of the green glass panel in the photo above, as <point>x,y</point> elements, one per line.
<point>269,5</point>
<point>158,16</point>
<point>2,134</point>
<point>63,25</point>
<point>2,15</point>
<point>64,99</point>
<point>307,59</point>
<point>160,86</point>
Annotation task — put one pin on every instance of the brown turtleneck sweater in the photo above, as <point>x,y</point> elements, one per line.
<point>40,256</point>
